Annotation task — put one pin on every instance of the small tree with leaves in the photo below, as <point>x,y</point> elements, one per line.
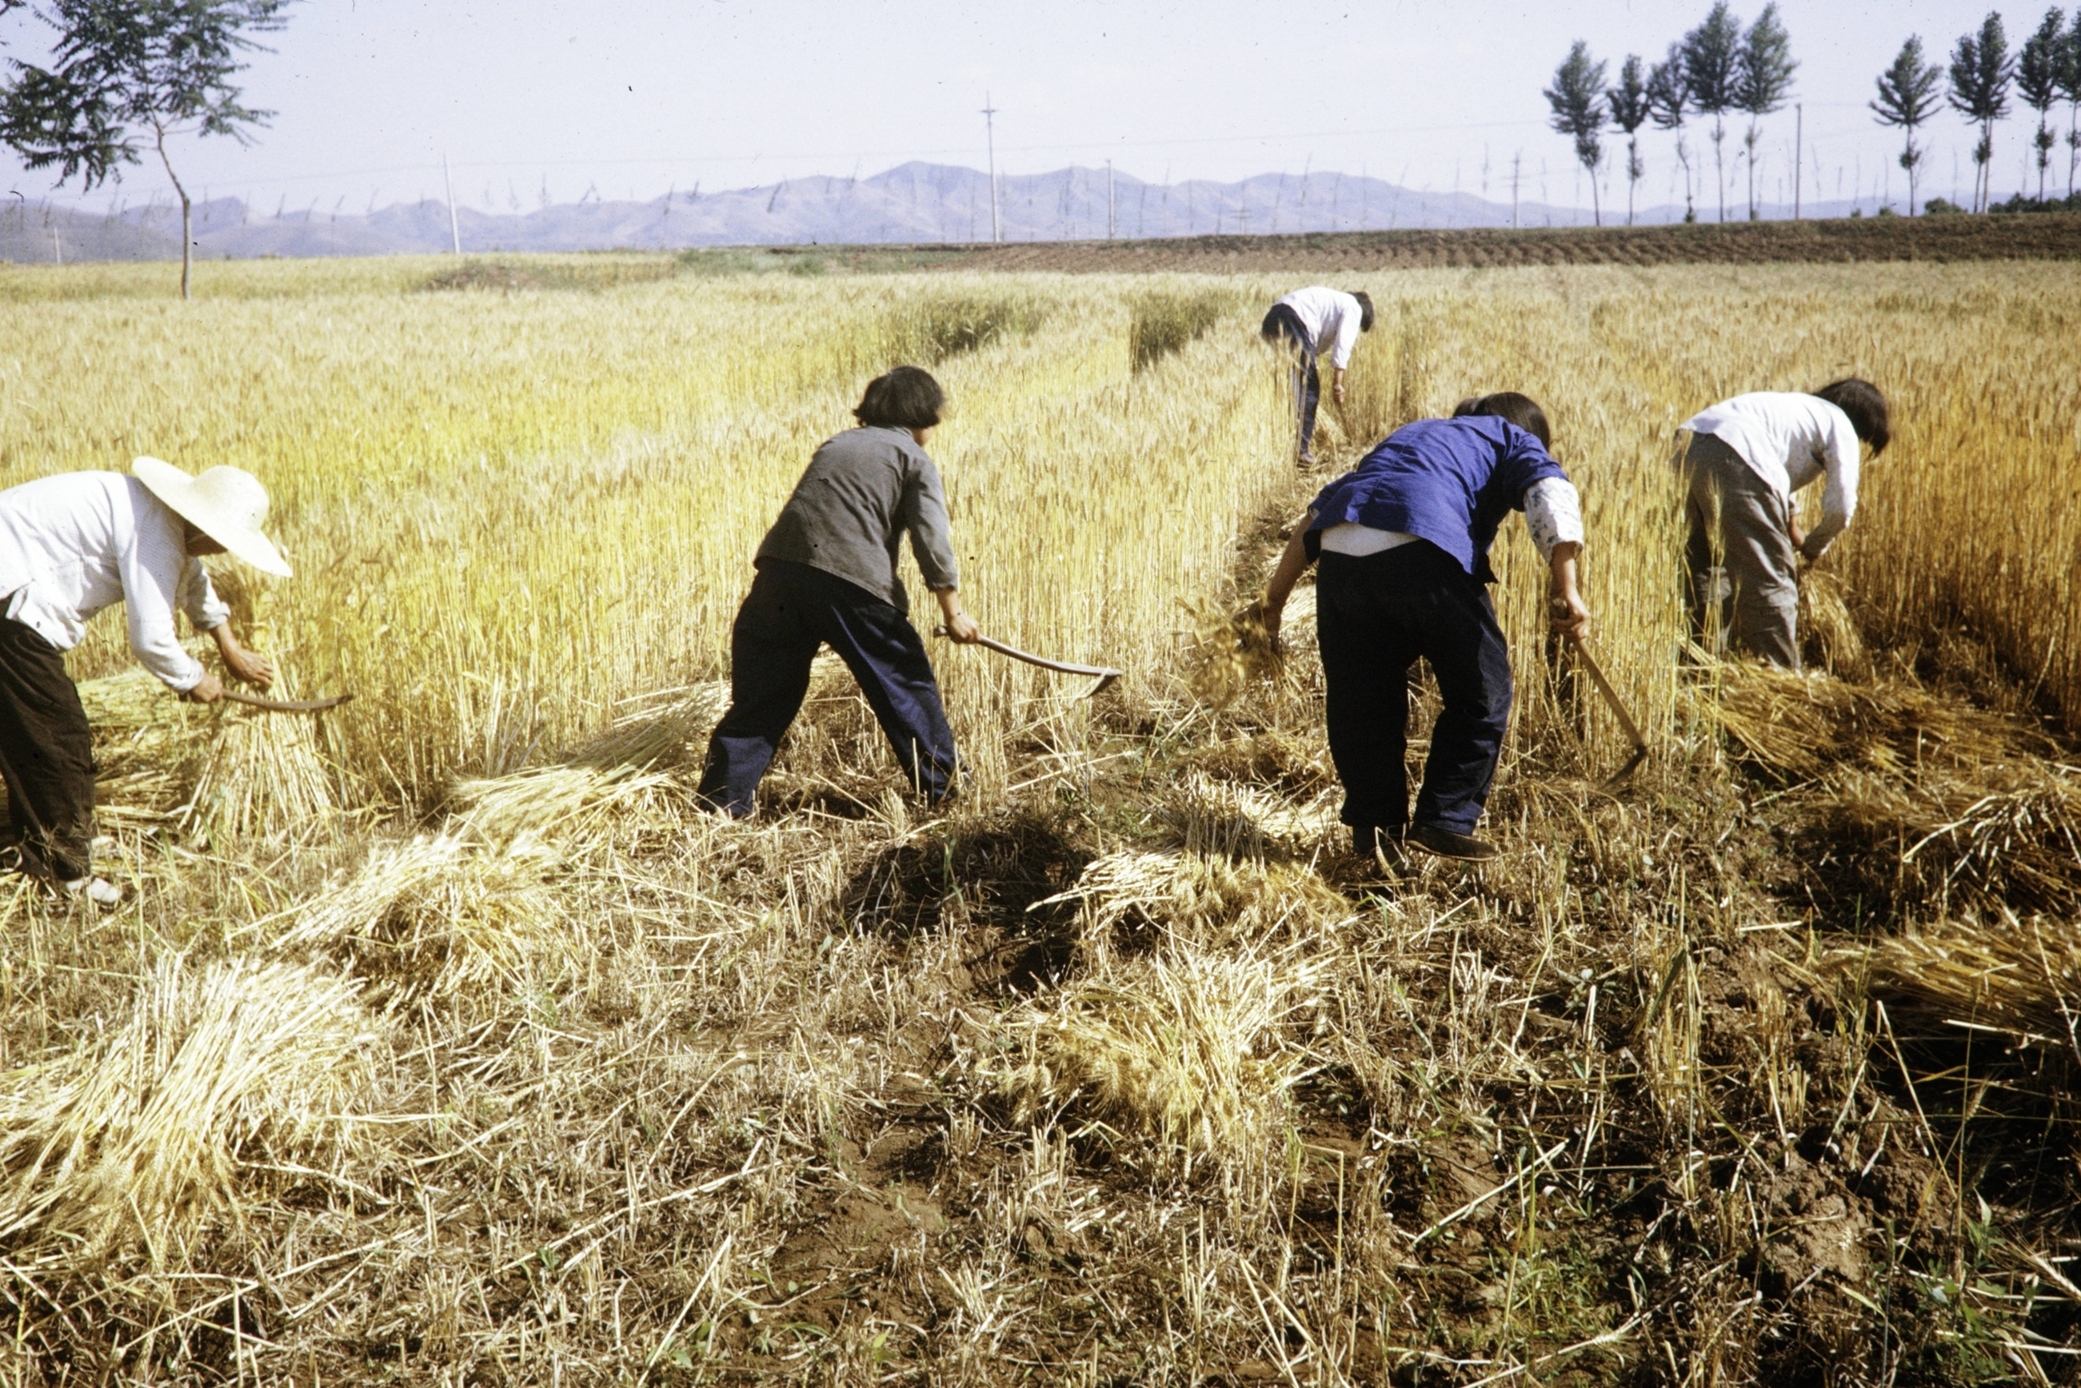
<point>1712,78</point>
<point>1763,79</point>
<point>1908,97</point>
<point>1577,98</point>
<point>2038,72</point>
<point>1668,104</point>
<point>2070,88</point>
<point>1629,111</point>
<point>1981,70</point>
<point>127,71</point>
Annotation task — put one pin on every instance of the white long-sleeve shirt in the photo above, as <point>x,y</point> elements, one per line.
<point>75,543</point>
<point>1788,440</point>
<point>1553,516</point>
<point>1332,319</point>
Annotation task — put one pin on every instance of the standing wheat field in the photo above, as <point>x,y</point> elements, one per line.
<point>442,1038</point>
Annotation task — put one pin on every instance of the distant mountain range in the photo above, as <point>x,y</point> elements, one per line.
<point>910,204</point>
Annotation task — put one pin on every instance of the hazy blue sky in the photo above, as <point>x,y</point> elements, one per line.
<point>627,97</point>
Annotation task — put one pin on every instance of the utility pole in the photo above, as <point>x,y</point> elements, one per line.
<point>1515,160</point>
<point>990,136</point>
<point>1110,233</point>
<point>454,228</point>
<point>1798,136</point>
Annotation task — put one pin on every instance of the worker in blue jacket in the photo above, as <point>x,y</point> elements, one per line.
<point>1403,541</point>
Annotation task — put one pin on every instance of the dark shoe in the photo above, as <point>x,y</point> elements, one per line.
<point>1381,846</point>
<point>1448,844</point>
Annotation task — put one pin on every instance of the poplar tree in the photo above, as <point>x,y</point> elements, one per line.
<point>2039,67</point>
<point>1981,70</point>
<point>1763,79</point>
<point>1712,73</point>
<point>1577,98</point>
<point>1629,111</point>
<point>130,71</point>
<point>1668,105</point>
<point>2070,88</point>
<point>1908,97</point>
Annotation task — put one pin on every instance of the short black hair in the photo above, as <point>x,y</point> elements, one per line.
<point>1365,310</point>
<point>1866,407</point>
<point>903,397</point>
<point>1509,406</point>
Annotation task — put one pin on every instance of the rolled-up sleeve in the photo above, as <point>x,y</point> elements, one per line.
<point>1839,464</point>
<point>1553,514</point>
<point>152,570</point>
<point>925,516</point>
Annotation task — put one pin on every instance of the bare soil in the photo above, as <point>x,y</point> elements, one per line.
<point>2048,236</point>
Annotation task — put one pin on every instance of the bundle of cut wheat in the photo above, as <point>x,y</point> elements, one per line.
<point>2022,977</point>
<point>144,1132</point>
<point>1188,1047</point>
<point>447,917</point>
<point>1975,803</point>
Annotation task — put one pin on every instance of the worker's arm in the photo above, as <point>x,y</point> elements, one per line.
<point>960,626</point>
<point>1292,564</point>
<point>1569,614</point>
<point>1553,516</point>
<point>247,666</point>
<point>1337,384</point>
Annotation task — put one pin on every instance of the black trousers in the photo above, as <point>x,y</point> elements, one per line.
<point>1283,323</point>
<point>1375,616</point>
<point>47,756</point>
<point>793,609</point>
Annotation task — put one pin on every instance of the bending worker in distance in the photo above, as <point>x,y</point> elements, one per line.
<point>1313,321</point>
<point>1742,462</point>
<point>1404,540</point>
<point>827,574</point>
<point>71,545</point>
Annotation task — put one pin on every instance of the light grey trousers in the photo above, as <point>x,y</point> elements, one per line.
<point>1741,570</point>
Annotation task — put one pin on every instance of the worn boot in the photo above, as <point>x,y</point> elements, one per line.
<point>1447,843</point>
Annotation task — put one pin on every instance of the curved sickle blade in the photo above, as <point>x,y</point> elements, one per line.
<point>1104,674</point>
<point>286,705</point>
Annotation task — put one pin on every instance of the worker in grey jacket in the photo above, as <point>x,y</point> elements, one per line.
<point>827,575</point>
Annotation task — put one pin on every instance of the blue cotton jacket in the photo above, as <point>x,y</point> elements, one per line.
<point>1448,481</point>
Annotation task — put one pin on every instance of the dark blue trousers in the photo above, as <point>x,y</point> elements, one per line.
<point>1283,323</point>
<point>1376,615</point>
<point>792,610</point>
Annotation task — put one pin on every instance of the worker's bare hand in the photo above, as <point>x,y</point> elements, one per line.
<point>1569,615</point>
<point>1337,392</point>
<point>1269,618</point>
<point>208,690</point>
<point>248,667</point>
<point>962,628</point>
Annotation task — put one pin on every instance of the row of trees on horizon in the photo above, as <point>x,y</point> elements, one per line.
<point>1724,68</point>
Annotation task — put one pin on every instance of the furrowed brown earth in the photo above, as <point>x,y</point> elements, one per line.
<point>2046,236</point>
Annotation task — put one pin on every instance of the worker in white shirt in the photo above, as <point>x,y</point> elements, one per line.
<point>71,545</point>
<point>1312,322</point>
<point>1743,459</point>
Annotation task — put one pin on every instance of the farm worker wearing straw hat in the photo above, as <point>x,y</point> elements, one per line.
<point>1310,322</point>
<point>1403,540</point>
<point>827,575</point>
<point>71,545</point>
<point>1742,460</point>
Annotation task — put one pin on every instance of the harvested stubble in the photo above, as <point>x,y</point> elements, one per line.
<point>1564,1116</point>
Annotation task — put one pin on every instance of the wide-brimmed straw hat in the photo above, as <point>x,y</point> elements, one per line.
<point>227,504</point>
